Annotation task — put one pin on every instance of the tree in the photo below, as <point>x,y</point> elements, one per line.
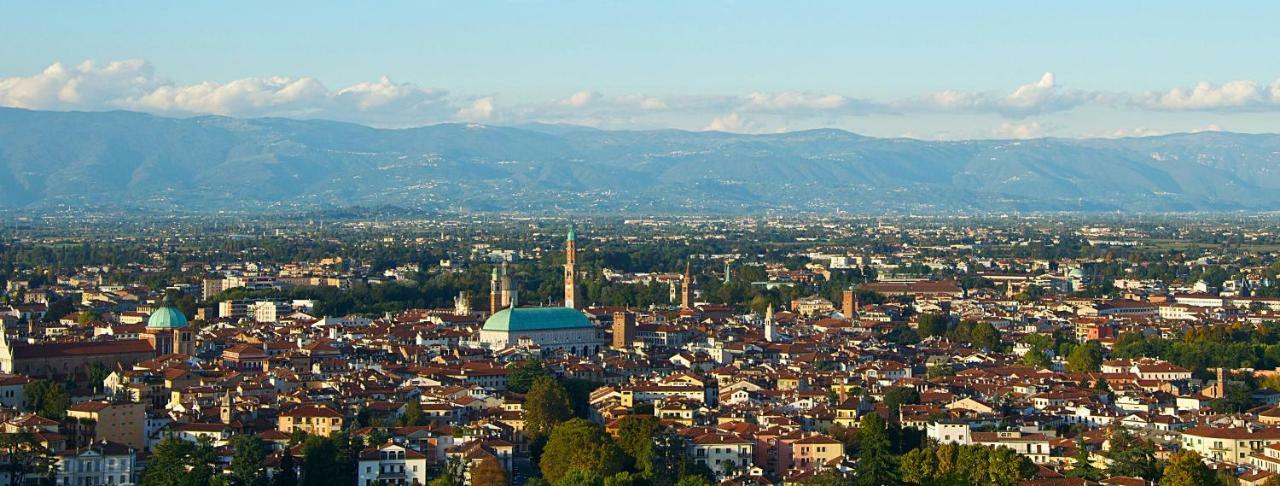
<point>965,464</point>
<point>694,481</point>
<point>546,405</point>
<point>1187,469</point>
<point>320,462</point>
<point>47,399</point>
<point>348,449</point>
<point>636,439</point>
<point>525,372</point>
<point>288,473</point>
<point>97,373</point>
<point>412,413</point>
<point>624,478</point>
<point>248,460</point>
<point>581,445</point>
<point>168,463</point>
<point>1131,456</point>
<point>1085,358</point>
<point>178,462</point>
<point>23,455</point>
<point>1082,467</point>
<point>488,472</point>
<point>984,335</point>
<point>898,396</point>
<point>580,477</point>
<point>447,481</point>
<point>876,465</point>
<point>929,325</point>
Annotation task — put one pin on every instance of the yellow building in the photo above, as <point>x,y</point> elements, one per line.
<point>120,422</point>
<point>313,419</point>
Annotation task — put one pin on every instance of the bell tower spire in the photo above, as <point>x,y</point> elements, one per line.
<point>570,271</point>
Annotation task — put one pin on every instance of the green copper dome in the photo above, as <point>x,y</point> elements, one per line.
<point>523,319</point>
<point>166,318</point>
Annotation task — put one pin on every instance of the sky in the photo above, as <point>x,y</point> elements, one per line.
<point>930,70</point>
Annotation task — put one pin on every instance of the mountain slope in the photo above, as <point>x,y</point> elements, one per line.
<point>125,159</point>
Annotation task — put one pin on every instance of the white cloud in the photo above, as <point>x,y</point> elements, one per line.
<point>580,99</point>
<point>242,97</point>
<point>1019,130</point>
<point>1133,133</point>
<point>732,122</point>
<point>134,85</point>
<point>480,109</point>
<point>1206,96</point>
<point>791,100</point>
<point>86,86</point>
<point>1041,96</point>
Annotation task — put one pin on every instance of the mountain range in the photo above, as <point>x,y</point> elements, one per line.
<point>211,163</point>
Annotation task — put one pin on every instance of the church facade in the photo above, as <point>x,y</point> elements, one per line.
<point>552,329</point>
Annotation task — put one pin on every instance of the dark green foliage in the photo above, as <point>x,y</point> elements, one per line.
<point>876,463</point>
<point>965,464</point>
<point>580,445</point>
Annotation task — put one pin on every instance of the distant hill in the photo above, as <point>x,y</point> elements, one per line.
<point>134,160</point>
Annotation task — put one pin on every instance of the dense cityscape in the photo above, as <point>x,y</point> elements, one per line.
<point>571,351</point>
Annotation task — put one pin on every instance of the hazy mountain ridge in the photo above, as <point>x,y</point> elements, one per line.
<point>211,163</point>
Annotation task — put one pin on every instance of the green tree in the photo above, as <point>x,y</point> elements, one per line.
<point>47,399</point>
<point>176,462</point>
<point>1082,467</point>
<point>876,464</point>
<point>624,478</point>
<point>248,460</point>
<point>320,462</point>
<point>168,463</point>
<point>636,439</point>
<point>1187,469</point>
<point>288,473</point>
<point>1131,456</point>
<point>694,480</point>
<point>546,405</point>
<point>965,464</point>
<point>1085,358</point>
<point>525,372</point>
<point>412,413</point>
<point>898,396</point>
<point>581,445</point>
<point>929,325</point>
<point>580,477</point>
<point>22,455</point>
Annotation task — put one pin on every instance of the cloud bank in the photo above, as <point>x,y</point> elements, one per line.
<point>135,85</point>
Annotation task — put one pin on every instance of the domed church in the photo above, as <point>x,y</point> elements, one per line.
<point>169,332</point>
<point>549,328</point>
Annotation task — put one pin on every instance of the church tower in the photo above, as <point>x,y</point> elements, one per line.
<point>624,329</point>
<point>226,407</point>
<point>570,272</point>
<point>686,294</point>
<point>504,282</point>
<point>494,301</point>
<point>770,327</point>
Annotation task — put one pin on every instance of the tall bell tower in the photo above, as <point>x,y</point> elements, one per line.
<point>570,272</point>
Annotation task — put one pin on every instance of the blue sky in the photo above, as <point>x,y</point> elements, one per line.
<point>921,69</point>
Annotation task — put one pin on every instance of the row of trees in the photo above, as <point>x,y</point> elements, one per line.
<point>326,460</point>
<point>978,334</point>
